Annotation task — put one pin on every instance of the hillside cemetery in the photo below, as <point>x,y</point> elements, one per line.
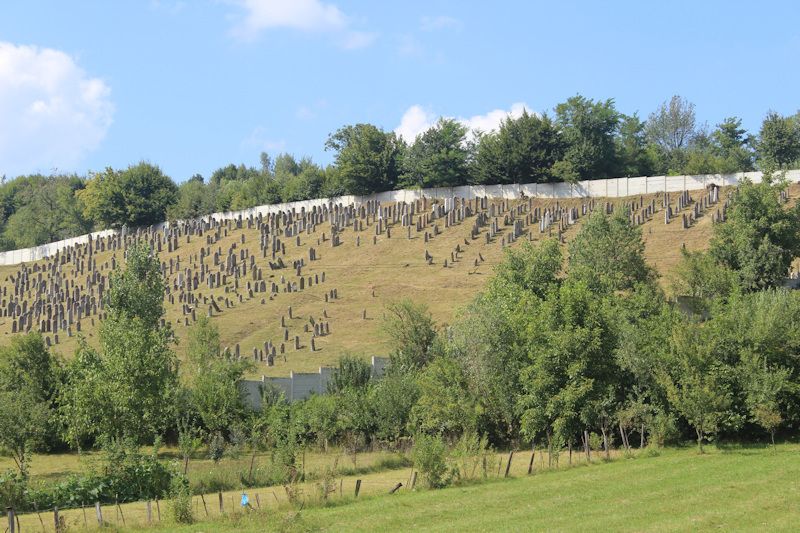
<point>284,272</point>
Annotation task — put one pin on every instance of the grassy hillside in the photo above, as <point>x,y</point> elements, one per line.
<point>367,277</point>
<point>736,489</point>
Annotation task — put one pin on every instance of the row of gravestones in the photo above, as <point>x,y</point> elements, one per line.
<point>82,260</point>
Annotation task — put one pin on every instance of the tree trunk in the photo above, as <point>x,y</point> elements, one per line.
<point>185,464</point>
<point>586,446</point>
<point>252,462</point>
<point>623,437</point>
<point>699,439</point>
<point>605,441</point>
<point>772,436</point>
<point>569,447</point>
<point>641,438</point>
<point>549,451</point>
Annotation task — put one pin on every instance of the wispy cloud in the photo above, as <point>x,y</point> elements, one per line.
<point>313,16</point>
<point>173,7</point>
<point>52,112</point>
<point>259,141</point>
<point>354,40</point>
<point>410,46</point>
<point>417,120</point>
<point>309,112</point>
<point>440,22</point>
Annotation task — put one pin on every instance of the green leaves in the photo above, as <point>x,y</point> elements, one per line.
<point>413,333</point>
<point>214,378</point>
<point>438,158</point>
<point>779,140</point>
<point>570,345</point>
<point>523,150</point>
<point>760,238</point>
<point>608,254</point>
<point>367,158</point>
<point>137,196</point>
<point>126,389</point>
<point>587,129</point>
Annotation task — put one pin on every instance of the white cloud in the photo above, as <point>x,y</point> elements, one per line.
<point>304,15</point>
<point>440,22</point>
<point>53,114</point>
<point>417,120</point>
<point>491,120</point>
<point>354,40</point>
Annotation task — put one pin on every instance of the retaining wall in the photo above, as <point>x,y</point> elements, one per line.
<point>300,385</point>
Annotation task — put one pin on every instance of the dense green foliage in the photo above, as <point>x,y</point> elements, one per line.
<point>136,196</point>
<point>584,139</point>
<point>125,390</point>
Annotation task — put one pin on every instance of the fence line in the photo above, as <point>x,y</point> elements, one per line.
<point>611,188</point>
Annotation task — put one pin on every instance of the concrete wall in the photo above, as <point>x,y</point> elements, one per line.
<point>612,187</point>
<point>299,386</point>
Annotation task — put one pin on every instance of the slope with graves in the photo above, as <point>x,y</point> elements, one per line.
<point>296,290</point>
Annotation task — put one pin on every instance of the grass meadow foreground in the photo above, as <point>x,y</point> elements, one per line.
<point>728,488</point>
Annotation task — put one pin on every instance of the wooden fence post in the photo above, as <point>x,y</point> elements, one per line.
<point>413,479</point>
<point>85,522</point>
<point>56,522</point>
<point>99,512</point>
<point>149,512</point>
<point>258,501</point>
<point>221,508</point>
<point>36,508</point>
<point>533,456</point>
<point>358,487</point>
<point>508,465</point>
<point>116,500</point>
<point>11,524</point>
<point>203,499</point>
<point>158,510</point>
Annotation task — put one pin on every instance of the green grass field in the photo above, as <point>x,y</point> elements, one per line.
<point>735,489</point>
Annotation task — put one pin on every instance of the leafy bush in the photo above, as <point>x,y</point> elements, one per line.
<point>469,452</point>
<point>181,503</point>
<point>127,475</point>
<point>664,429</point>
<point>430,458</point>
<point>595,442</point>
<point>216,447</point>
<point>13,488</point>
<point>130,475</point>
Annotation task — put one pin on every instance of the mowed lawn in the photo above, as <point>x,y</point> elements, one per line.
<point>733,489</point>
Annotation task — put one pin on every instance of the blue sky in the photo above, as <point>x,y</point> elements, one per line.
<point>195,85</point>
